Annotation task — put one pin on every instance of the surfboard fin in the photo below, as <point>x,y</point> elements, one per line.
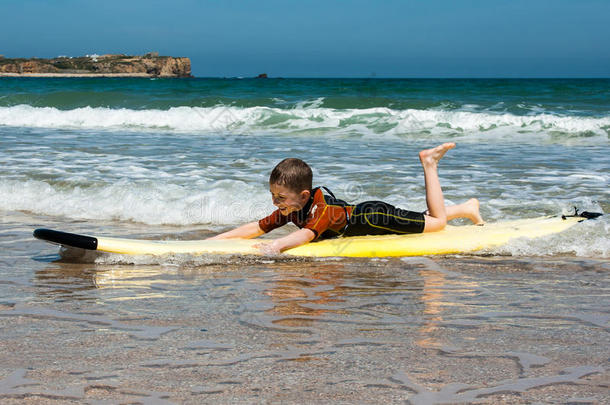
<point>584,214</point>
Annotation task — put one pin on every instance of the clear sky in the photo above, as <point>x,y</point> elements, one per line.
<point>325,38</point>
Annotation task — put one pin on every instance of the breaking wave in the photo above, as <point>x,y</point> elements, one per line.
<point>312,119</point>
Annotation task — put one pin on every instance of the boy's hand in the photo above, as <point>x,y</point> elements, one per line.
<point>267,248</point>
<point>296,238</point>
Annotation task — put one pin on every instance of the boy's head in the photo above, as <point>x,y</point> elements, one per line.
<point>290,185</point>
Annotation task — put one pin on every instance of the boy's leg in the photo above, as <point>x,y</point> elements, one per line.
<point>437,215</point>
<point>469,209</point>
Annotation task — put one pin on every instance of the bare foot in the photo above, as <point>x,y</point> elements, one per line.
<point>468,209</point>
<point>473,212</point>
<point>430,157</point>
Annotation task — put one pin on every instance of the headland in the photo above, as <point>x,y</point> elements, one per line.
<point>110,65</point>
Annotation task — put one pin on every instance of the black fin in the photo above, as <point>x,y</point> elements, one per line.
<point>590,215</point>
<point>584,214</point>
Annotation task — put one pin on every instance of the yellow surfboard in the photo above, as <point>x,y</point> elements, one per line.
<point>453,239</point>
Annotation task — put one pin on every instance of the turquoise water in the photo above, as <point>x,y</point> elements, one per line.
<point>568,97</point>
<point>198,152</point>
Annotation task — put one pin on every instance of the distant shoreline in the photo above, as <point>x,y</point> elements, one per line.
<point>146,75</point>
<point>76,75</point>
<point>109,65</point>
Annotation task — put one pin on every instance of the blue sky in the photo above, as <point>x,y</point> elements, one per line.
<point>327,38</point>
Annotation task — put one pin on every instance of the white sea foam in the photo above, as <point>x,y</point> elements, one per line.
<point>218,204</point>
<point>221,204</point>
<point>587,239</point>
<point>310,117</point>
<point>174,178</point>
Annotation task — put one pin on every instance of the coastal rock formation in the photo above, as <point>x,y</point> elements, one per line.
<point>149,65</point>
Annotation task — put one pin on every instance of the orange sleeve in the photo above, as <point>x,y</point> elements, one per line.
<point>320,221</point>
<point>275,220</point>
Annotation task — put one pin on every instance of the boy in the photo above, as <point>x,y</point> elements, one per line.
<point>321,216</point>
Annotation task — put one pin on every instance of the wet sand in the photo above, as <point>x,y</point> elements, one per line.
<point>452,329</point>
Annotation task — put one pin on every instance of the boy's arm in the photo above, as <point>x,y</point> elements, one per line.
<point>247,231</point>
<point>296,238</point>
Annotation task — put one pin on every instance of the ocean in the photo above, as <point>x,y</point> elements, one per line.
<point>188,158</point>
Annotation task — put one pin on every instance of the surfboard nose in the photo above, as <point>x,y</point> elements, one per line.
<point>66,239</point>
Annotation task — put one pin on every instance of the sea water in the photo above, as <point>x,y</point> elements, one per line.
<point>185,159</point>
<point>198,152</point>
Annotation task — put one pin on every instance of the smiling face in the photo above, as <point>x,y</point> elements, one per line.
<point>287,200</point>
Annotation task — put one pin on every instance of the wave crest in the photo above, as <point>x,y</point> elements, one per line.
<point>311,119</point>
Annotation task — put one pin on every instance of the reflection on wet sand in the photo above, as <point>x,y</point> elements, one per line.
<point>299,299</point>
<point>334,292</point>
<point>77,281</point>
<point>432,296</point>
<point>436,300</point>
<point>413,329</point>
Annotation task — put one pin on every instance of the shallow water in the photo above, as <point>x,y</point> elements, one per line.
<point>191,330</point>
<point>197,153</point>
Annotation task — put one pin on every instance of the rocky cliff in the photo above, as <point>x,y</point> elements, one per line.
<point>149,65</point>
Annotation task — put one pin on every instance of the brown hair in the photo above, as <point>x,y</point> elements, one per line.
<point>292,173</point>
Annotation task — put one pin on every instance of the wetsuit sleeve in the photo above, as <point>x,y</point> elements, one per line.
<point>275,220</point>
<point>319,220</point>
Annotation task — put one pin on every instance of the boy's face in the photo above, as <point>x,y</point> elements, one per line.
<point>288,200</point>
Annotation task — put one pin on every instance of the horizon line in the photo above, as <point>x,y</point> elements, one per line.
<point>409,77</point>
